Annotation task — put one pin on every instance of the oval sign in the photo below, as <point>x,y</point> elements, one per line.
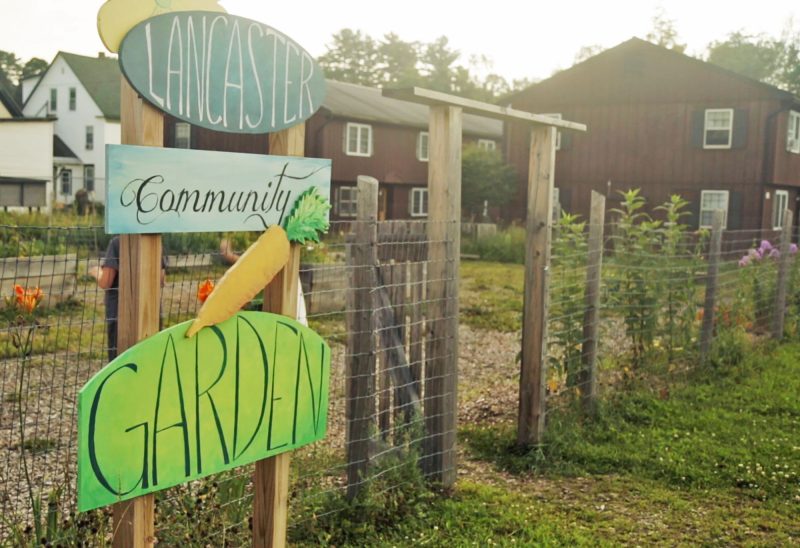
<point>222,72</point>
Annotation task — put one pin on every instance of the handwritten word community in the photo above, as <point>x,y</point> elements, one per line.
<point>222,72</point>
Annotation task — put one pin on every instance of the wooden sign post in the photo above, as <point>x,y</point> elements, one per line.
<point>139,301</point>
<point>271,478</point>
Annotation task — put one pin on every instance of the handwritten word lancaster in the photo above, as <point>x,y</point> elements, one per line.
<point>222,72</point>
<point>154,196</point>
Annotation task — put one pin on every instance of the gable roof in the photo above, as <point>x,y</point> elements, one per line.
<point>368,104</point>
<point>635,55</point>
<point>61,149</point>
<point>10,104</point>
<point>101,78</point>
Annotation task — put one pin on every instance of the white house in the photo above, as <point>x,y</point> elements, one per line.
<point>26,159</point>
<point>82,93</point>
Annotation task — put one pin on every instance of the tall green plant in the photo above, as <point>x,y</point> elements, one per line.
<point>679,261</point>
<point>567,299</point>
<point>636,287</point>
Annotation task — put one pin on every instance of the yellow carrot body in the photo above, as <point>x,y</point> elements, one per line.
<point>249,275</point>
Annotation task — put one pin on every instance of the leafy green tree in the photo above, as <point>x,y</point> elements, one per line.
<point>10,71</point>
<point>485,177</point>
<point>33,66</point>
<point>398,62</point>
<point>353,58</point>
<point>664,33</point>
<point>437,60</point>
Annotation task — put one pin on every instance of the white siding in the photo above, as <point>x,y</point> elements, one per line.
<point>26,150</point>
<point>71,125</point>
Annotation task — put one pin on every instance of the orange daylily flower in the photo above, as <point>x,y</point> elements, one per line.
<point>27,299</point>
<point>204,290</point>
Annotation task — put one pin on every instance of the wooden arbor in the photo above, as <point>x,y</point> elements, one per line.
<point>444,224</point>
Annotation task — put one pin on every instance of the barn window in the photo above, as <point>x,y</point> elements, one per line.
<point>779,206</point>
<point>53,99</point>
<point>557,116</point>
<point>89,137</point>
<point>418,204</point>
<point>487,144</point>
<point>183,135</point>
<point>710,201</point>
<point>358,140</point>
<point>718,128</point>
<point>347,201</point>
<point>73,98</point>
<point>793,134</point>
<point>422,146</point>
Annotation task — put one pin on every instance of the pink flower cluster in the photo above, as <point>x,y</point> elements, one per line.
<point>765,251</point>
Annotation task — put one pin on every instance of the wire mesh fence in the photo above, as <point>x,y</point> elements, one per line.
<point>381,294</point>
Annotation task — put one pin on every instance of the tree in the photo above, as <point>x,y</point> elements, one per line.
<point>664,33</point>
<point>33,66</point>
<point>438,60</point>
<point>485,177</point>
<point>775,61</point>
<point>352,58</point>
<point>586,52</point>
<point>10,71</point>
<point>398,62</point>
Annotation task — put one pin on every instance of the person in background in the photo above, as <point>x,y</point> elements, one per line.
<point>108,279</point>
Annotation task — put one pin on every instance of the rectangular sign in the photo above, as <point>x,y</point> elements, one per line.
<point>160,190</point>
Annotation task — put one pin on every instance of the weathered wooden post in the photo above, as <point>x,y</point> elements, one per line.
<point>533,372</point>
<point>783,277</point>
<point>361,365</point>
<point>444,237</point>
<point>271,477</point>
<point>139,302</point>
<point>714,250</point>
<point>591,318</point>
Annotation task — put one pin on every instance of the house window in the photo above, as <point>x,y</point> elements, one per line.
<point>422,146</point>
<point>73,94</point>
<point>779,205</point>
<point>718,128</point>
<point>557,116</point>
<point>710,201</point>
<point>358,141</point>
<point>53,99</point>
<point>487,144</point>
<point>793,134</point>
<point>66,182</point>
<point>419,202</point>
<point>348,200</point>
<point>183,135</point>
<point>88,178</point>
<point>89,137</point>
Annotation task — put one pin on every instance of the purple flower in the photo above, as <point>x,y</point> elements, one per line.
<point>792,249</point>
<point>774,253</point>
<point>755,254</point>
<point>744,261</point>
<point>765,247</point>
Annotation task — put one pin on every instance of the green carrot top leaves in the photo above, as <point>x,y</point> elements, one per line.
<point>309,217</point>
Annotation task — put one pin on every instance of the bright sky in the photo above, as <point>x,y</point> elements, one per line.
<point>523,38</point>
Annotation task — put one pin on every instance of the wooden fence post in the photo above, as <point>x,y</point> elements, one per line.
<point>783,276</point>
<point>533,371</point>
<point>271,477</point>
<point>361,365</point>
<point>444,236</point>
<point>139,302</point>
<point>588,376</point>
<point>714,250</point>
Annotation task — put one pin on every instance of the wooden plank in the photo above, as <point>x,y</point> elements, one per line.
<point>139,302</point>
<point>533,373</point>
<point>271,477</point>
<point>784,267</point>
<point>470,106</point>
<point>714,249</point>
<point>384,386</point>
<point>361,363</point>
<point>591,318</point>
<point>416,335</point>
<point>444,235</point>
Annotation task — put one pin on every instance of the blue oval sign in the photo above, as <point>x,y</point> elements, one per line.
<point>222,72</point>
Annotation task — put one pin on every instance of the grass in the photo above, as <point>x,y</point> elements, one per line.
<point>491,295</point>
<point>722,446</point>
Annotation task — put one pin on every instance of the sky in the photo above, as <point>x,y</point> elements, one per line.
<point>522,38</point>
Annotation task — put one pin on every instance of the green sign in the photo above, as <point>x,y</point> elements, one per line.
<point>171,409</point>
<point>222,72</point>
